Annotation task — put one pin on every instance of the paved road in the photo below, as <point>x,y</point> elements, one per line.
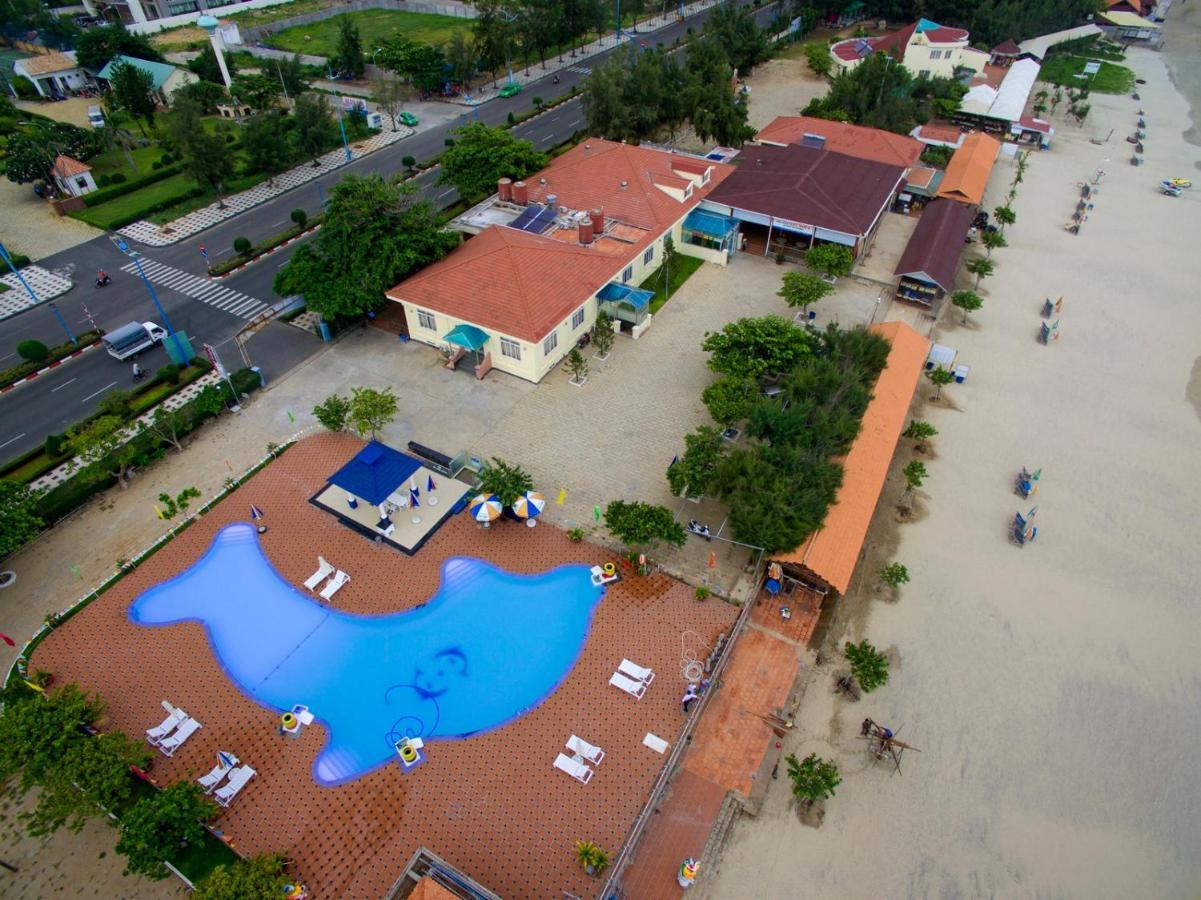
<point>38,409</point>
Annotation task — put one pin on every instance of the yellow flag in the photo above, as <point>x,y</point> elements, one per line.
<point>158,512</point>
<point>562,497</point>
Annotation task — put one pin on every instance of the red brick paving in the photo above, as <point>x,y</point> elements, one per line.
<point>492,805</point>
<point>804,605</point>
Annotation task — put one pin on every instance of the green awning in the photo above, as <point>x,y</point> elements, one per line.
<point>468,337</point>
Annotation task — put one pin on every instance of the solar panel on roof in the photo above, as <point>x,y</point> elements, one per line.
<point>534,219</point>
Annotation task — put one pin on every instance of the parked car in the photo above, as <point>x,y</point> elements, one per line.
<point>130,340</point>
<point>95,117</point>
<point>407,118</point>
<point>512,89</point>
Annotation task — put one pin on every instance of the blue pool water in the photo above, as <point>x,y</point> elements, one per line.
<point>486,648</point>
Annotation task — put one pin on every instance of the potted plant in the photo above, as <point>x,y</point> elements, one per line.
<point>591,857</point>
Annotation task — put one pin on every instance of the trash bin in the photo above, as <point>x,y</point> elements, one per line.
<point>262,378</point>
<point>323,330</point>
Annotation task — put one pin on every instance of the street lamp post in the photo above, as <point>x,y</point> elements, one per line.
<point>121,245</point>
<point>342,127</point>
<point>34,297</point>
<point>375,53</point>
<point>61,321</point>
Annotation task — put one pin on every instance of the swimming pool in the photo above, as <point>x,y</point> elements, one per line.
<point>488,647</point>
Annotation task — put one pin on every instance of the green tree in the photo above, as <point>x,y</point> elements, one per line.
<point>260,877</point>
<point>258,91</point>
<point>27,160</point>
<point>830,259</point>
<point>462,58</point>
<point>265,140</point>
<point>939,377</point>
<point>730,399</point>
<point>753,348</point>
<point>167,425</point>
<point>390,95</point>
<point>993,240</point>
<point>981,267</point>
<point>333,412</point>
<point>919,431</point>
<point>349,55</point>
<point>206,158</point>
<point>313,124</point>
<point>802,289</point>
<point>61,137</point>
<point>577,366</point>
<point>205,65</point>
<point>869,667</point>
<point>894,575</point>
<point>101,447</point>
<point>740,38</point>
<point>32,351</point>
<point>371,409</point>
<point>968,301</point>
<point>494,28</point>
<point>507,481</point>
<point>915,474</point>
<point>693,474</point>
<point>36,731</point>
<point>96,46</point>
<point>153,831</point>
<point>19,520</point>
<point>605,101</point>
<point>242,245</point>
<point>643,525</point>
<point>817,55</point>
<point>91,777</point>
<point>1005,215</point>
<point>375,233</point>
<point>482,155</point>
<point>602,334</point>
<point>300,217</point>
<point>813,778</point>
<point>133,91</point>
<point>713,107</point>
<point>291,73</point>
<point>203,93</point>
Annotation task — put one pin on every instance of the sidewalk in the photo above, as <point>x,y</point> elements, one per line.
<point>46,284</point>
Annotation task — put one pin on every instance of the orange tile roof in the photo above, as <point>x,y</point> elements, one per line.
<point>47,63</point>
<point>949,134</point>
<point>853,140</point>
<point>832,551</point>
<point>968,171</point>
<point>428,889</point>
<point>65,166</point>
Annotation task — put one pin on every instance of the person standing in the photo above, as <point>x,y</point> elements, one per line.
<point>689,696</point>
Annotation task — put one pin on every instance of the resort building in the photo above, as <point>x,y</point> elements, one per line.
<point>923,47</point>
<point>785,199</point>
<point>1129,27</point>
<point>72,176</point>
<point>164,79</point>
<point>53,74</point>
<point>969,169</point>
<point>931,259</point>
<point>841,137</point>
<point>552,251</point>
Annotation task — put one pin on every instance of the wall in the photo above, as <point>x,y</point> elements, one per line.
<point>444,8</point>
<point>190,18</point>
<point>917,57</point>
<point>720,257</point>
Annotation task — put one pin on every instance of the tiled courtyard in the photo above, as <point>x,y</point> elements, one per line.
<point>493,804</point>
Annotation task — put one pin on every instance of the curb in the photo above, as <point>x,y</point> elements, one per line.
<point>265,253</point>
<point>54,365</point>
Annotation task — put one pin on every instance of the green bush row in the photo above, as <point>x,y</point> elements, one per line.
<point>145,212</point>
<point>95,198</point>
<point>16,373</point>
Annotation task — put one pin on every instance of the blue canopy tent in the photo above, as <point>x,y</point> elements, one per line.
<point>468,337</point>
<point>375,472</point>
<point>635,299</point>
<point>702,228</point>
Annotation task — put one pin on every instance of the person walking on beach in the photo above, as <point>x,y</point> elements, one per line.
<point>689,696</point>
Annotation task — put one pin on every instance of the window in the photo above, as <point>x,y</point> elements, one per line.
<point>924,73</point>
<point>627,274</point>
<point>649,254</point>
<point>577,319</point>
<point>551,342</point>
<point>426,320</point>
<point>935,54</point>
<point>81,182</point>
<point>510,348</point>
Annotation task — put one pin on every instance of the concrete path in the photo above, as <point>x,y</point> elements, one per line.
<point>45,284</point>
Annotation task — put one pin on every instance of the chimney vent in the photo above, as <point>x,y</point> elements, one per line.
<point>521,195</point>
<point>552,202</point>
<point>504,187</point>
<point>586,232</point>
<point>624,185</point>
<point>598,221</point>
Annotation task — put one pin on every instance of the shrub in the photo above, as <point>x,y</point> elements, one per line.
<point>242,245</point>
<point>869,666</point>
<point>33,351</point>
<point>575,535</point>
<point>410,161</point>
<point>156,165</point>
<point>702,593</point>
<point>118,178</point>
<point>56,445</point>
<point>166,159</point>
<point>229,139</point>
<point>512,119</point>
<point>300,217</point>
<point>104,180</point>
<point>168,374</point>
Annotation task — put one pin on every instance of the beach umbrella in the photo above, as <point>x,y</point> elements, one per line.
<point>429,485</point>
<point>485,508</point>
<point>529,504</point>
<point>227,759</point>
<point>413,485</point>
<point>414,497</point>
<point>255,512</point>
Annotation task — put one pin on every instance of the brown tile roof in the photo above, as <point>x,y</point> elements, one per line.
<point>936,244</point>
<point>48,63</point>
<point>895,42</point>
<point>813,187</point>
<point>428,889</point>
<point>968,171</point>
<point>948,134</point>
<point>853,140</point>
<point>1007,48</point>
<point>66,167</point>
<point>944,35</point>
<point>832,551</point>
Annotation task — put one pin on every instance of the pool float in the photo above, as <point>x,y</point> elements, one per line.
<point>610,569</point>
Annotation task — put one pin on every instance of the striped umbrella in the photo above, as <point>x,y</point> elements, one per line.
<point>255,512</point>
<point>485,508</point>
<point>529,504</point>
<point>414,498</point>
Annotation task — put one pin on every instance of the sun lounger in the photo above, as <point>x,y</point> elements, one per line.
<point>160,731</point>
<point>237,780</point>
<point>635,671</point>
<point>324,570</point>
<point>582,748</point>
<point>576,770</point>
<point>226,762</point>
<point>334,585</point>
<point>634,688</point>
<point>186,729</point>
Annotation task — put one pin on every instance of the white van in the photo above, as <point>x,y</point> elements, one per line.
<point>130,340</point>
<point>95,117</point>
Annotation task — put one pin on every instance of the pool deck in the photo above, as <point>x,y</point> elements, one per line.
<point>492,805</point>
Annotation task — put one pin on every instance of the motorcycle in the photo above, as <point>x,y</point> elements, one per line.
<point>103,279</point>
<point>699,529</point>
<point>1166,187</point>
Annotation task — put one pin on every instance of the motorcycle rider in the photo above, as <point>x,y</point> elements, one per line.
<point>102,278</point>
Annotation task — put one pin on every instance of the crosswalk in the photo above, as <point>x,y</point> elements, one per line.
<point>203,289</point>
<point>580,70</point>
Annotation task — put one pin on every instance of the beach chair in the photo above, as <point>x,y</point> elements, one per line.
<point>635,671</point>
<point>237,780</point>
<point>324,570</point>
<point>334,585</point>
<point>225,762</point>
<point>578,771</point>
<point>186,729</point>
<point>160,731</point>
<point>581,747</point>
<point>634,688</point>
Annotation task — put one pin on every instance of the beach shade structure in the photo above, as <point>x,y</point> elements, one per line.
<point>485,508</point>
<point>430,487</point>
<point>529,505</point>
<point>414,497</point>
<point>255,512</point>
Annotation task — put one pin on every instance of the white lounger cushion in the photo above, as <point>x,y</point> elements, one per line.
<point>186,729</point>
<point>237,781</point>
<point>634,688</point>
<point>160,731</point>
<point>213,778</point>
<point>578,771</point>
<point>635,671</point>
<point>323,572</point>
<point>334,585</point>
<point>593,754</point>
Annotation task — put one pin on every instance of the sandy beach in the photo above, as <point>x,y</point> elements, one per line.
<point>1052,689</point>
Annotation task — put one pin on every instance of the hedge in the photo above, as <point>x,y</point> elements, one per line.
<point>143,212</point>
<point>95,198</point>
<point>16,373</point>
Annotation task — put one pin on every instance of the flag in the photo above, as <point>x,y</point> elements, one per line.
<point>675,459</point>
<point>255,512</point>
<point>712,560</point>
<point>596,513</point>
<point>414,496</point>
<point>430,487</point>
<point>291,418</point>
<point>4,637</point>
<point>158,512</point>
<point>562,498</point>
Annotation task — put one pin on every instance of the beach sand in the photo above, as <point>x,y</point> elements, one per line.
<point>1052,689</point>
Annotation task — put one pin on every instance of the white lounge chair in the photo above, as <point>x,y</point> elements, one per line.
<point>324,570</point>
<point>237,780</point>
<point>334,585</point>
<point>186,729</point>
<point>634,688</point>
<point>225,762</point>
<point>578,771</point>
<point>581,747</point>
<point>635,671</point>
<point>160,731</point>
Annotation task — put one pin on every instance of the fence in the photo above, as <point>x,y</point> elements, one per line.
<point>448,8</point>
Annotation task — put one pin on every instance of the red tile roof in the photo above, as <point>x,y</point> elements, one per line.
<point>832,551</point>
<point>948,134</point>
<point>1032,124</point>
<point>936,244</point>
<point>66,167</point>
<point>1007,48</point>
<point>853,140</point>
<point>895,41</point>
<point>944,35</point>
<point>810,186</point>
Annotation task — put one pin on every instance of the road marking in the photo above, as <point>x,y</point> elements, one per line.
<point>10,356</point>
<point>63,385</point>
<point>101,391</point>
<point>205,290</point>
<point>10,440</point>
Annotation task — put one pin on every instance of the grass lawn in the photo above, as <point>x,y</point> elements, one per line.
<point>1111,79</point>
<point>112,161</point>
<point>682,269</point>
<point>375,25</point>
<point>105,214</point>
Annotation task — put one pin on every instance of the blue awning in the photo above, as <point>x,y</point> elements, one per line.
<point>375,472</point>
<point>467,336</point>
<point>623,293</point>
<point>709,223</point>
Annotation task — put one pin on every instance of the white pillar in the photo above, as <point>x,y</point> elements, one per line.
<point>209,24</point>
